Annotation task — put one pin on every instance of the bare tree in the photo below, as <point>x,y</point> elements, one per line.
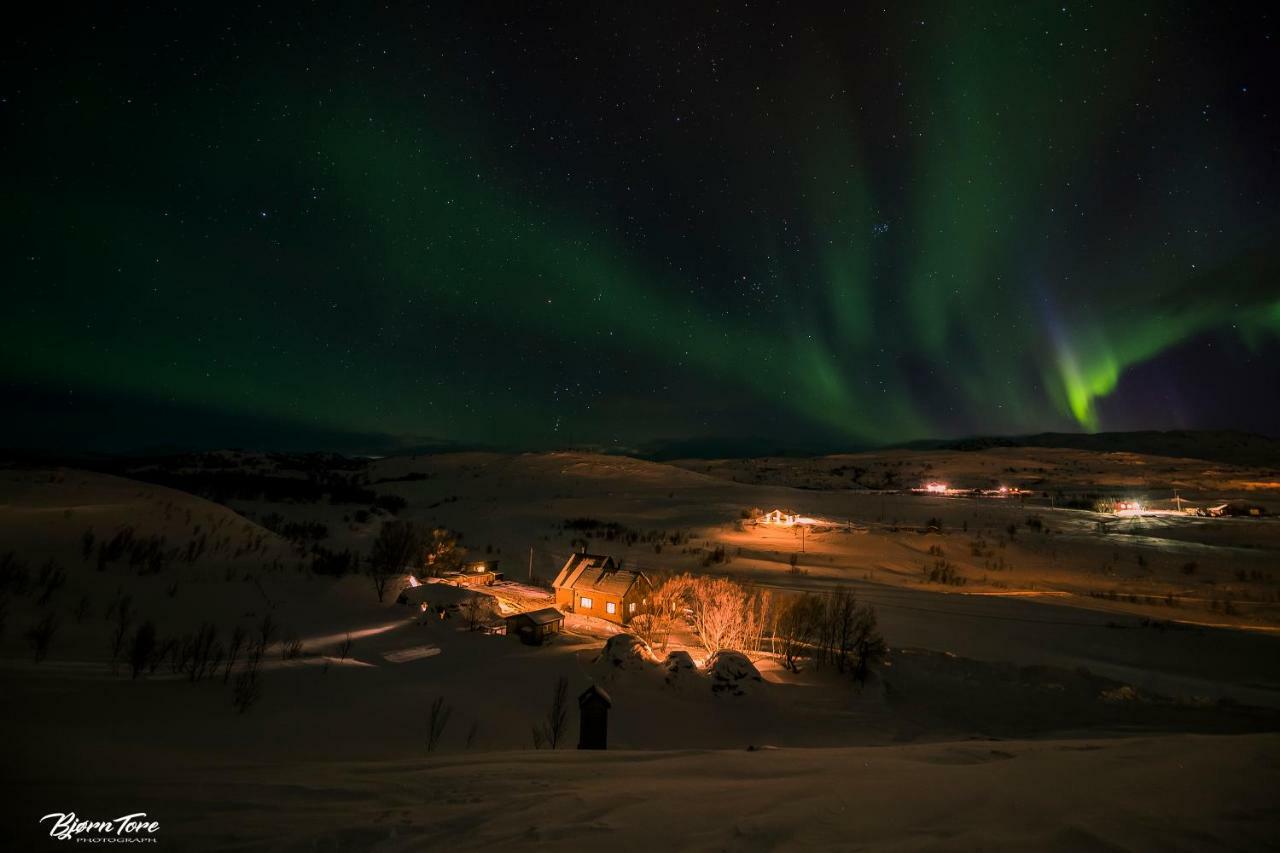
<point>40,635</point>
<point>143,648</point>
<point>52,578</point>
<point>474,611</point>
<point>842,613</point>
<point>291,648</point>
<point>234,648</point>
<point>657,616</point>
<point>247,689</point>
<point>345,649</point>
<point>550,731</point>
<point>725,614</point>
<point>441,552</point>
<point>869,647</point>
<point>835,629</point>
<point>797,627</point>
<point>266,633</point>
<point>201,652</point>
<point>398,546</point>
<point>436,722</point>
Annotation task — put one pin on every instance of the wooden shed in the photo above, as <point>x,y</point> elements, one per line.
<point>593,718</point>
<point>535,626</point>
<point>475,573</point>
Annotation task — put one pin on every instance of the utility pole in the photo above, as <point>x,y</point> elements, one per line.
<point>530,564</point>
<point>1177,500</point>
<point>802,538</point>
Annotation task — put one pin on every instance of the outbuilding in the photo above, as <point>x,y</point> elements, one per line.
<point>535,626</point>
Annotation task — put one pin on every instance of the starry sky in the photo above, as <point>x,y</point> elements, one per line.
<point>365,228</point>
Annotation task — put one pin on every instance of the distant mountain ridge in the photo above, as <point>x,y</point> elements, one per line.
<point>1225,446</point>
<point>1230,447</point>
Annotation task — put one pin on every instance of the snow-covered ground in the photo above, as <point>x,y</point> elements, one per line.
<point>1018,710</point>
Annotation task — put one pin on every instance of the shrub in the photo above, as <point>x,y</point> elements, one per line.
<point>437,719</point>
<point>291,649</point>
<point>333,563</point>
<point>238,638</point>
<point>14,574</point>
<point>247,689</point>
<point>143,648</point>
<point>52,578</point>
<point>391,503</point>
<point>714,557</point>
<point>40,636</point>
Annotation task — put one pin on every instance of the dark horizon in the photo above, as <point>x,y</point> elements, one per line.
<point>114,431</point>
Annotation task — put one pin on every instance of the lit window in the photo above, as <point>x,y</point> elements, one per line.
<point>585,602</point>
<point>610,607</point>
<point>632,607</point>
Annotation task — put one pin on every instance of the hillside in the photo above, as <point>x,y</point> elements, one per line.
<point>1225,446</point>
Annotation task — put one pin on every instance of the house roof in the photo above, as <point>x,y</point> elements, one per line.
<point>596,572</point>
<point>545,616</point>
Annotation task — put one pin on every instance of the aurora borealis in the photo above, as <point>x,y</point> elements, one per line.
<point>363,228</point>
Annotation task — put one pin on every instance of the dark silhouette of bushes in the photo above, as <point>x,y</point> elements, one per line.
<point>390,503</point>
<point>40,636</point>
<point>142,651</point>
<point>15,577</point>
<point>714,557</point>
<point>943,572</point>
<point>834,630</point>
<point>437,719</point>
<point>333,563</point>
<point>52,578</point>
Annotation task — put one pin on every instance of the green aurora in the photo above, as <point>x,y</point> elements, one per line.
<point>877,230</point>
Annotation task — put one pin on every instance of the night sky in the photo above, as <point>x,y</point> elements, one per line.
<point>357,228</point>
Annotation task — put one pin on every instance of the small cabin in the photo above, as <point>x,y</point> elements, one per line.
<point>475,573</point>
<point>535,626</point>
<point>593,718</point>
<point>779,516</point>
<point>594,585</point>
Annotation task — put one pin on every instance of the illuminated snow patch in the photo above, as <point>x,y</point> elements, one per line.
<point>412,653</point>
